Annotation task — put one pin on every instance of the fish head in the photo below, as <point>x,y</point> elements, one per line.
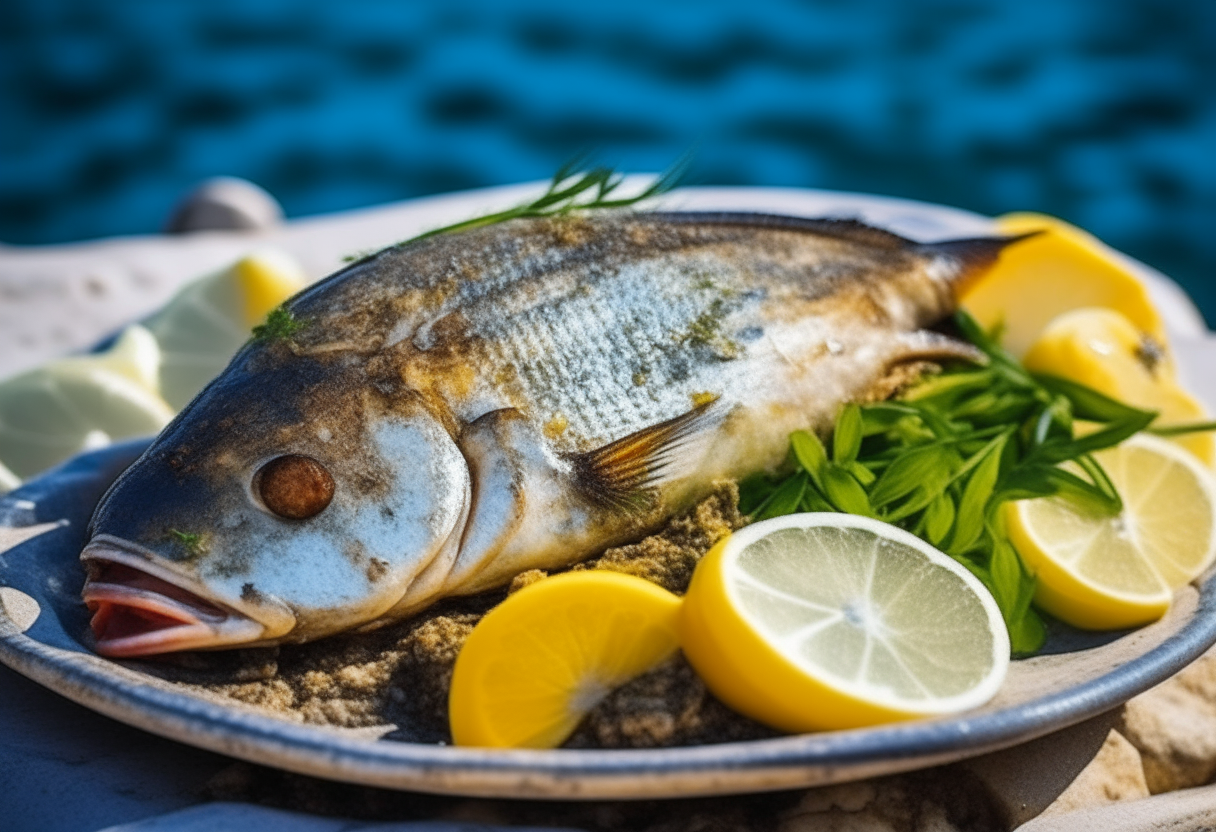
<point>292,499</point>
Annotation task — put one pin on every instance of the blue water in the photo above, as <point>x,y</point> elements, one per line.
<point>1099,111</point>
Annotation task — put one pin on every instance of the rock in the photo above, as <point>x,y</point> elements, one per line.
<point>939,800</point>
<point>1173,726</point>
<point>225,204</point>
<point>1191,810</point>
<point>1114,775</point>
<point>1024,780</point>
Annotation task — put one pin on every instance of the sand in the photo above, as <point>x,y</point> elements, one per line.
<point>399,675</point>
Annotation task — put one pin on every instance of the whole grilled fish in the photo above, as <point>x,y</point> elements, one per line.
<point>443,415</point>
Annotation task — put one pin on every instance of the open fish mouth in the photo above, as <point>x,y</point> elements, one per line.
<point>137,613</point>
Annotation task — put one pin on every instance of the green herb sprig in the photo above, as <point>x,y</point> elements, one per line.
<point>573,188</point>
<point>280,325</point>
<point>192,542</point>
<point>942,459</point>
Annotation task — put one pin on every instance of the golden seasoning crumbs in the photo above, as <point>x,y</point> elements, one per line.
<point>399,675</point>
<point>556,426</point>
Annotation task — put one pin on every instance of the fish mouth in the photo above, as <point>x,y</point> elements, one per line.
<point>137,613</point>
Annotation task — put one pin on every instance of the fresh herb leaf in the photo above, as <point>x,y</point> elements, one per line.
<point>810,454</point>
<point>190,541</point>
<point>1088,403</point>
<point>1062,449</point>
<point>785,500</point>
<point>977,494</point>
<point>844,491</point>
<point>846,436</point>
<point>280,325</point>
<point>1183,430</point>
<point>939,519</point>
<point>573,188</point>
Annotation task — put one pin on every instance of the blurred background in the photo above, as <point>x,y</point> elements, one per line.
<point>1102,112</point>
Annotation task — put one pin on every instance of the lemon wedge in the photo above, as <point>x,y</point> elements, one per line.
<point>830,621</point>
<point>538,662</point>
<point>1105,572</point>
<point>1061,269</point>
<point>1101,348</point>
<point>205,323</point>
<point>80,403</point>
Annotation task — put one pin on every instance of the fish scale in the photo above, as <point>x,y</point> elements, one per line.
<point>604,334</point>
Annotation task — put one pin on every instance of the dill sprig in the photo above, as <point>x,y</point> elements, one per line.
<point>942,459</point>
<point>573,188</point>
<point>280,325</point>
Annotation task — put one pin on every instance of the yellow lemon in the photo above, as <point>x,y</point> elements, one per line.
<point>205,323</point>
<point>537,663</point>
<point>1061,269</point>
<point>80,403</point>
<point>1103,349</point>
<point>829,621</point>
<point>1104,572</point>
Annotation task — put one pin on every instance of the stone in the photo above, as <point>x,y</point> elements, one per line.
<point>1190,810</point>
<point>1113,776</point>
<point>225,203</point>
<point>944,799</point>
<point>1173,726</point>
<point>1024,780</point>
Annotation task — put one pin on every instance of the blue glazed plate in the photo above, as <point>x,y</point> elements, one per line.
<point>43,624</point>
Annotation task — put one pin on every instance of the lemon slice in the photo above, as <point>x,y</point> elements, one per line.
<point>537,663</point>
<point>1103,349</point>
<point>1101,572</point>
<point>830,621</point>
<point>52,413</point>
<point>205,323</point>
<point>1060,270</point>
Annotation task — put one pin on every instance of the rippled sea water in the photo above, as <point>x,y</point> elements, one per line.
<point>1099,111</point>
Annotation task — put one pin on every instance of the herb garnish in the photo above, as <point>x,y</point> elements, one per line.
<point>940,460</point>
<point>192,542</point>
<point>280,325</point>
<point>572,188</point>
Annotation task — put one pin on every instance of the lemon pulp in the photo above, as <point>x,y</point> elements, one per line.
<point>828,621</point>
<point>1100,572</point>
<point>537,663</point>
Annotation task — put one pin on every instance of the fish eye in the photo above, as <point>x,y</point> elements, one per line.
<point>294,487</point>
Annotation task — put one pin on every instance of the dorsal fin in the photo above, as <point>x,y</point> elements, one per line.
<point>845,228</point>
<point>625,471</point>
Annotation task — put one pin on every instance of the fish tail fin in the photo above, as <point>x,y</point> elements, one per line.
<point>966,261</point>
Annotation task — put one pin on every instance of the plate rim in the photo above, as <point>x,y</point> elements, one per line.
<point>685,771</point>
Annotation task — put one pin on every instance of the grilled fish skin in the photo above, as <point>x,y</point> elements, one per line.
<point>451,412</point>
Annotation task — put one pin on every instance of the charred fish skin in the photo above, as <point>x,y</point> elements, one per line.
<point>516,396</point>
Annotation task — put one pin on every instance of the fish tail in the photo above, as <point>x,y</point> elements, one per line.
<point>966,261</point>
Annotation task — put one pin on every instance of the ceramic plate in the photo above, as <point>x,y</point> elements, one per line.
<point>43,622</point>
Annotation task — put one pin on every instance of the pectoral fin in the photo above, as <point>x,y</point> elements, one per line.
<point>622,474</point>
